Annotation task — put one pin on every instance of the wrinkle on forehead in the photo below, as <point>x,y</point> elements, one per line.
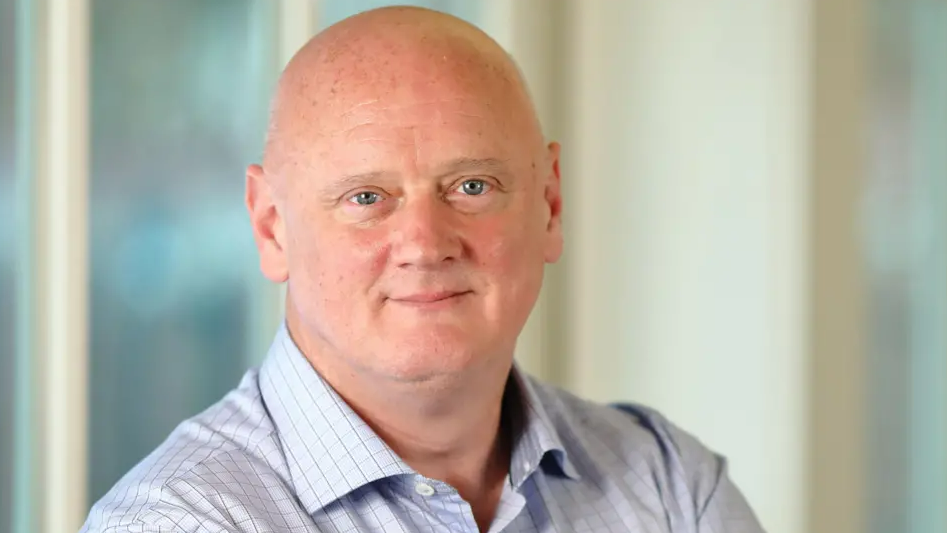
<point>381,104</point>
<point>384,61</point>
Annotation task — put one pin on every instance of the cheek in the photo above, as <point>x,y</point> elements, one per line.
<point>336,263</point>
<point>508,248</point>
<point>357,257</point>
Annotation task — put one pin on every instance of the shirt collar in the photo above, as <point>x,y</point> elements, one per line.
<point>331,451</point>
<point>535,435</point>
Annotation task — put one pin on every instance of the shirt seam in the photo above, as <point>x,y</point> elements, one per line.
<point>164,487</point>
<point>720,473</point>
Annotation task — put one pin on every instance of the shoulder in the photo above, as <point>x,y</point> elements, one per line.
<point>631,427</point>
<point>632,444</point>
<point>227,448</point>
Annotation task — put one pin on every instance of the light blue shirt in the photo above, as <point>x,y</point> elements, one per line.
<point>284,453</point>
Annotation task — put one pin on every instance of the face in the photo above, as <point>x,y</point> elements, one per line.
<point>412,228</point>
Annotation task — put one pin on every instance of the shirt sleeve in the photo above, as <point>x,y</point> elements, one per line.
<point>700,497</point>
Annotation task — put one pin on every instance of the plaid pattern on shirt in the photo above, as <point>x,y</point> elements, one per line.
<point>284,453</point>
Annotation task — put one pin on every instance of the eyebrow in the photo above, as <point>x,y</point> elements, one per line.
<point>462,164</point>
<point>352,181</point>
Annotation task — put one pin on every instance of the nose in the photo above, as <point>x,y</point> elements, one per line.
<point>425,234</point>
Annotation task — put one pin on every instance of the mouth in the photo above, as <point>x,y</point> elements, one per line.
<point>434,299</point>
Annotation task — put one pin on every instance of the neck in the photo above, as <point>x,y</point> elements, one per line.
<point>449,433</point>
<point>448,428</point>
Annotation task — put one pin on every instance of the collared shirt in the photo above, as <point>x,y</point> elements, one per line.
<point>284,453</point>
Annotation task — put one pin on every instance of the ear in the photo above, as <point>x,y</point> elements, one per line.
<point>553,197</point>
<point>267,224</point>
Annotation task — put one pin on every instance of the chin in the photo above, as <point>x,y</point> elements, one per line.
<point>425,357</point>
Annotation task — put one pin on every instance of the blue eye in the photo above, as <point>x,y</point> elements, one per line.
<point>365,198</point>
<point>474,187</point>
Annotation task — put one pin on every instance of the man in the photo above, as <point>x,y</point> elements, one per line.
<point>408,198</point>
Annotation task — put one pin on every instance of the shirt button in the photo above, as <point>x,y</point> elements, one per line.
<point>424,489</point>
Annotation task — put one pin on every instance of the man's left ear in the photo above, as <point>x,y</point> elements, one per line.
<point>553,197</point>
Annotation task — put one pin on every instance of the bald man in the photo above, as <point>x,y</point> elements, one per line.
<point>409,200</point>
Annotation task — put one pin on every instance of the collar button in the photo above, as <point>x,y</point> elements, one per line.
<point>424,489</point>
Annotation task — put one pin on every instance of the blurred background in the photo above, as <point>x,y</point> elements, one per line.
<point>756,218</point>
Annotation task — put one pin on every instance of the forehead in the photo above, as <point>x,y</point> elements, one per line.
<point>363,106</point>
<point>422,125</point>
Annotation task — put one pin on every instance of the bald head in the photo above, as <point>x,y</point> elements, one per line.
<point>380,59</point>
